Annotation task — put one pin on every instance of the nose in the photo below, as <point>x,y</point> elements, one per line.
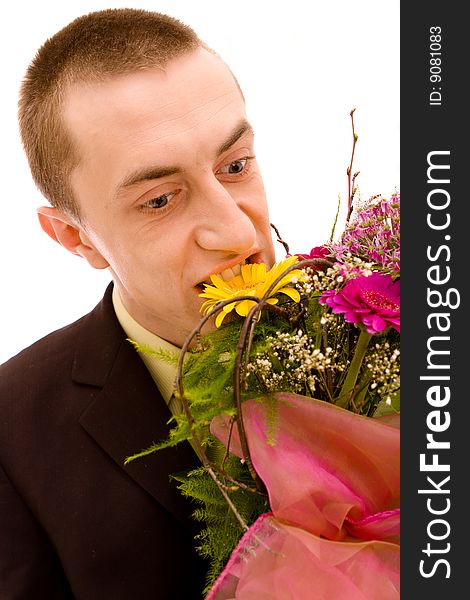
<point>223,222</point>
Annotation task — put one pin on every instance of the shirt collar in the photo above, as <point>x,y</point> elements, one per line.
<point>162,371</point>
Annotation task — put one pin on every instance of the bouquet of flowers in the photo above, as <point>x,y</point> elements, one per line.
<point>292,405</point>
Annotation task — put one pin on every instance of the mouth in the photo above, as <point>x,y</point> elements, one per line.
<point>230,272</point>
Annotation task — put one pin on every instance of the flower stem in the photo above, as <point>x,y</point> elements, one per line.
<point>358,398</point>
<point>354,368</point>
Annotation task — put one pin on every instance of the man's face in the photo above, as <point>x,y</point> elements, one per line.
<point>168,186</point>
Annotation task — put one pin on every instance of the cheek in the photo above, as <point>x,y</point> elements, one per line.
<point>128,260</point>
<point>156,267</point>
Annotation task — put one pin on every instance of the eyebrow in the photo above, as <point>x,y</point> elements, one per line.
<point>239,131</point>
<point>149,173</point>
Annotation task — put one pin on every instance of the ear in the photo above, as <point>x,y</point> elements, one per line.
<point>65,231</point>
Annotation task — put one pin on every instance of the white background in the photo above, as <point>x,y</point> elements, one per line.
<point>302,64</point>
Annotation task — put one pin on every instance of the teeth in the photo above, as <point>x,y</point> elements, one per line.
<point>233,272</point>
<point>228,273</point>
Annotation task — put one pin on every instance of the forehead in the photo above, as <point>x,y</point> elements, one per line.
<point>191,91</point>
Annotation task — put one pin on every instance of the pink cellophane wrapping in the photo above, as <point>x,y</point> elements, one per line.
<point>333,482</point>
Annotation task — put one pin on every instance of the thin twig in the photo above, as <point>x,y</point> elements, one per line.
<point>229,440</point>
<point>245,341</point>
<point>349,169</point>
<point>237,396</point>
<point>280,240</point>
<point>208,465</point>
<point>224,493</point>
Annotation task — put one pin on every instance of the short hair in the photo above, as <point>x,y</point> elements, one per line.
<point>91,48</point>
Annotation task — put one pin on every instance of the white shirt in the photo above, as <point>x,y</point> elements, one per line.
<point>162,372</point>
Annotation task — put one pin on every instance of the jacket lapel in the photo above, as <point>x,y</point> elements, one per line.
<point>129,414</point>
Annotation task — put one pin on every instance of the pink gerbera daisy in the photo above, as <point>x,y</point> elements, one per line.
<point>373,301</point>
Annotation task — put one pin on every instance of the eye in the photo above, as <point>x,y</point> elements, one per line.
<point>159,201</point>
<point>235,167</point>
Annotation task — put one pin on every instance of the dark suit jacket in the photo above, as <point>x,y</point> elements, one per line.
<point>74,521</point>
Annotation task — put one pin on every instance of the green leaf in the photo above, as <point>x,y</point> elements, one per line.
<point>166,355</point>
<point>220,531</point>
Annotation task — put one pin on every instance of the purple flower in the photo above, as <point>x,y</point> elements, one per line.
<point>373,301</point>
<point>374,235</point>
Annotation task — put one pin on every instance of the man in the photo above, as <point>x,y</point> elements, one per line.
<point>136,134</point>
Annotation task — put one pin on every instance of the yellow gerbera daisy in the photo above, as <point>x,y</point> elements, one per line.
<point>253,280</point>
